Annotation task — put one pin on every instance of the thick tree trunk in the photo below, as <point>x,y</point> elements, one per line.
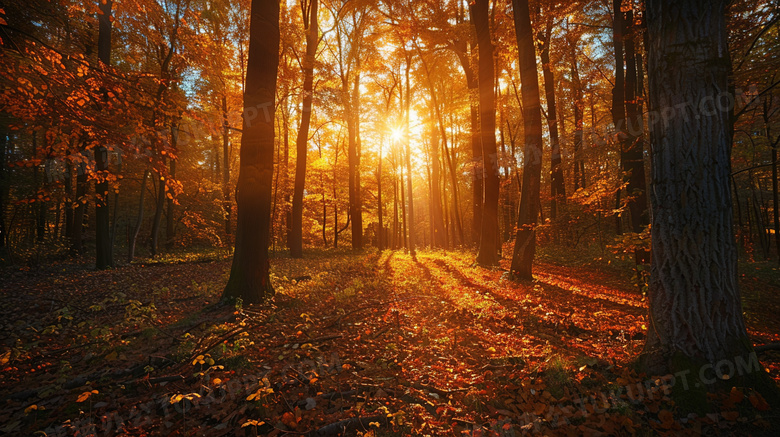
<point>557,188</point>
<point>489,230</point>
<point>696,322</point>
<point>312,36</point>
<point>525,238</point>
<point>104,248</point>
<point>250,272</point>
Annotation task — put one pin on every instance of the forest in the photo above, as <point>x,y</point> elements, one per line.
<point>389,217</point>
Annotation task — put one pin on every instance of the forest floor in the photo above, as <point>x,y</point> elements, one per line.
<point>377,343</point>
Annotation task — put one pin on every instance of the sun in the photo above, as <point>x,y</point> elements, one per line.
<point>397,133</point>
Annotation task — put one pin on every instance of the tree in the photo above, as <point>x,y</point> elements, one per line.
<point>489,236</point>
<point>250,272</point>
<point>105,250</point>
<point>310,25</point>
<point>695,308</point>
<point>525,238</point>
<point>557,187</point>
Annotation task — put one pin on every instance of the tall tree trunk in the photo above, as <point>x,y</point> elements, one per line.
<point>170,229</point>
<point>105,251</point>
<point>525,238</point>
<point>455,194</point>
<point>312,36</point>
<point>489,232</point>
<point>618,95</point>
<point>696,322</point>
<point>139,219</point>
<point>632,146</point>
<point>579,106</point>
<point>557,187</point>
<point>250,273</point>
<point>40,205</point>
<point>355,212</point>
<point>68,196</point>
<point>438,233</point>
<point>410,195</point>
<point>225,164</point>
<point>381,238</point>
<point>154,237</point>
<point>76,238</point>
<point>4,187</point>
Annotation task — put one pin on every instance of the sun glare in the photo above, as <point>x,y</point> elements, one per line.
<point>397,133</point>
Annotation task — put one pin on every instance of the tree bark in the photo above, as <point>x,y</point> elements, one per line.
<point>525,238</point>
<point>410,195</point>
<point>632,150</point>
<point>696,322</point>
<point>312,35</point>
<point>225,165</point>
<point>618,95</point>
<point>154,238</point>
<point>76,239</point>
<point>4,188</point>
<point>250,272</point>
<point>579,106</point>
<point>104,248</point>
<point>557,187</point>
<point>489,230</point>
<point>170,228</point>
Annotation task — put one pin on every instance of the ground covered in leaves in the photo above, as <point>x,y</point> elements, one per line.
<point>378,343</point>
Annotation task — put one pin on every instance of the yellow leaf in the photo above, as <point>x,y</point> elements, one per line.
<point>30,409</point>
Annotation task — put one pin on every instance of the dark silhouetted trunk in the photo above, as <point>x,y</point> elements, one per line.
<point>618,95</point>
<point>312,35</point>
<point>104,249</point>
<point>250,273</point>
<point>76,238</point>
<point>170,229</point>
<point>489,230</point>
<point>632,144</point>
<point>154,238</point>
<point>4,188</point>
<point>525,238</point>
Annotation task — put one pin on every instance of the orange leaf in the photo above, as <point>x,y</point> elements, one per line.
<point>759,403</point>
<point>288,419</point>
<point>667,418</point>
